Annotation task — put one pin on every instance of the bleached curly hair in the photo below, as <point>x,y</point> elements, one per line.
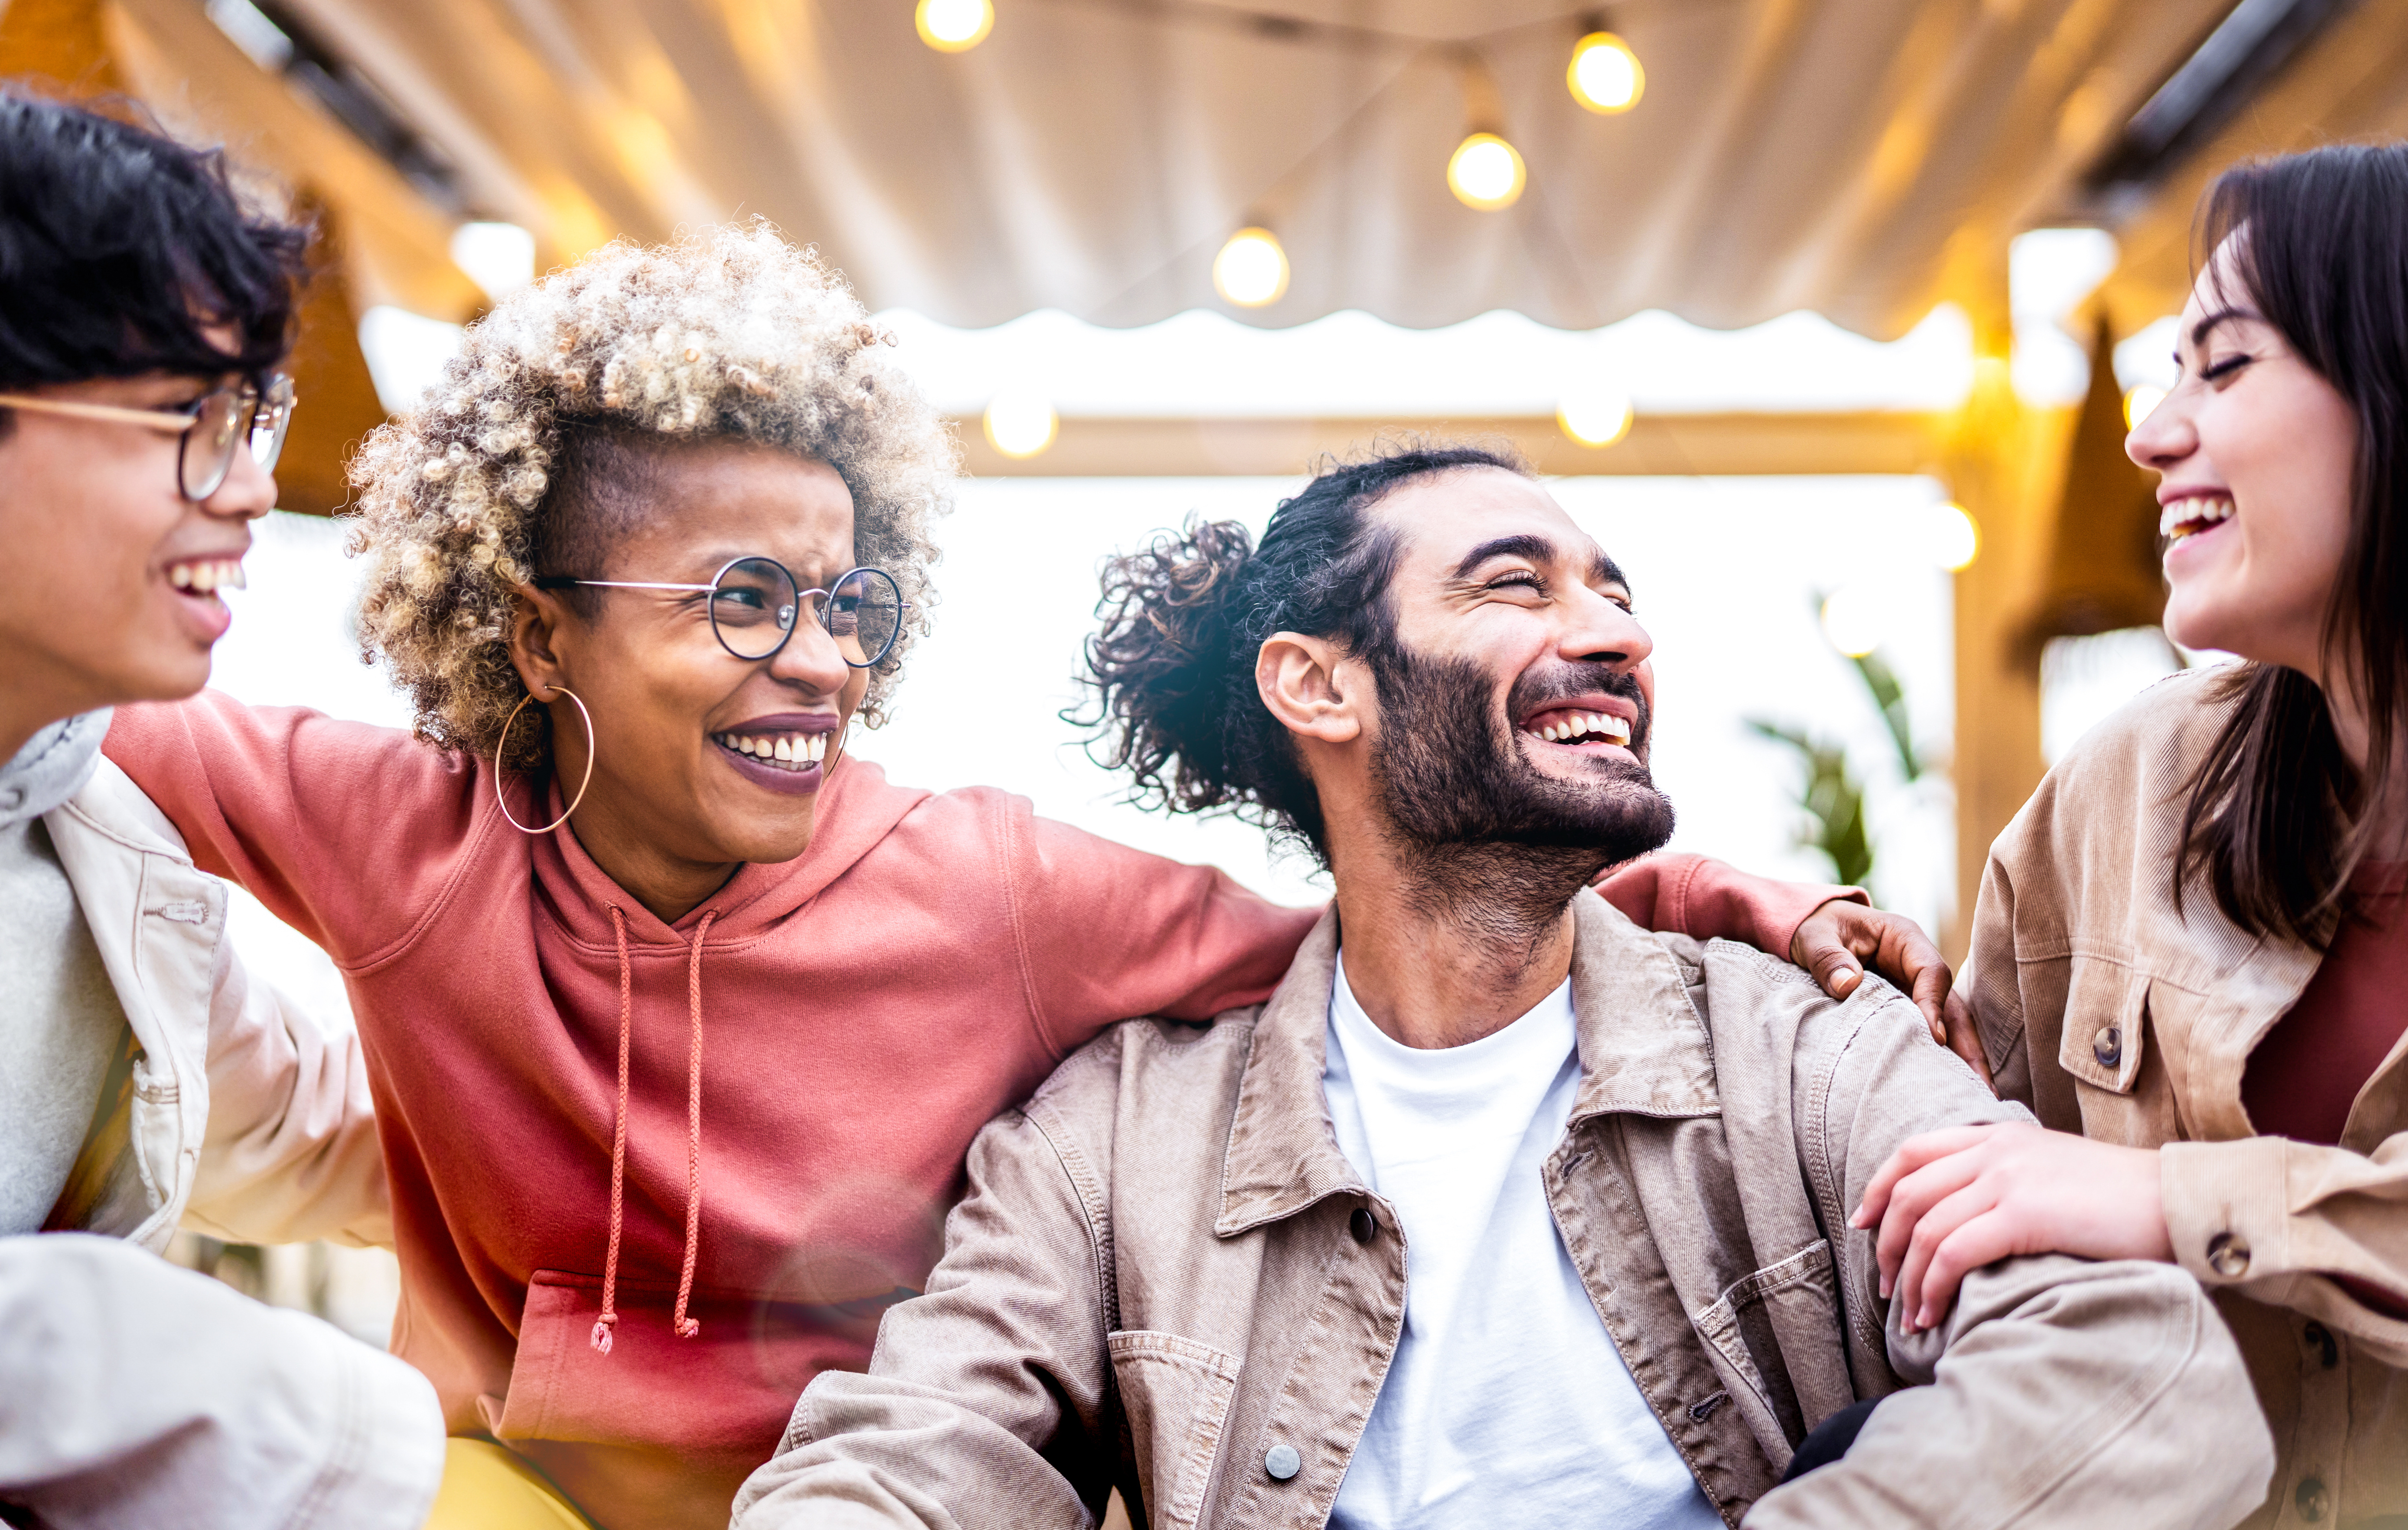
<point>732,333</point>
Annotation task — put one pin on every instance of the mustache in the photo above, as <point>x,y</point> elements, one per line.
<point>1557,682</point>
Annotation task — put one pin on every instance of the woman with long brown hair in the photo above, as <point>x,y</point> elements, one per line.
<point>2190,946</point>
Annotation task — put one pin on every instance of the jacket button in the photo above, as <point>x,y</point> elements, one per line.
<point>1364,1225</point>
<point>2313,1499</point>
<point>2108,1046</point>
<point>2228,1255</point>
<point>1282,1462</point>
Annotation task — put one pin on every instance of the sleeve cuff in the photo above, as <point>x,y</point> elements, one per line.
<point>2227,1213</point>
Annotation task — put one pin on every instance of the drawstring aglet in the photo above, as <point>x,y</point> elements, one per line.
<point>689,1327</point>
<point>602,1326</point>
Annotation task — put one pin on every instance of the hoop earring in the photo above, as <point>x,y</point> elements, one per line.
<point>505,806</point>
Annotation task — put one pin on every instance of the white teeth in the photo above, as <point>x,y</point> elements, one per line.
<point>819,747</point>
<point>2194,511</point>
<point>204,578</point>
<point>783,749</point>
<point>794,749</point>
<point>181,576</point>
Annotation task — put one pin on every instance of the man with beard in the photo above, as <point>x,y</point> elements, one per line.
<point>1502,1209</point>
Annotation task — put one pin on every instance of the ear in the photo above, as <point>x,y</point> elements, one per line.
<point>1311,687</point>
<point>535,630</point>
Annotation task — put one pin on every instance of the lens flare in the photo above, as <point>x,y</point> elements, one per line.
<point>1595,416</point>
<point>1020,423</point>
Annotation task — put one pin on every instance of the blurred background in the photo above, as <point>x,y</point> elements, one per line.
<point>1826,317</point>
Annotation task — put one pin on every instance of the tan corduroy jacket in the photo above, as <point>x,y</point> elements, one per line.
<point>2111,1014</point>
<point>1167,1278</point>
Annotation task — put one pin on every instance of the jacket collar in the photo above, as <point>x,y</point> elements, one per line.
<point>1644,1049</point>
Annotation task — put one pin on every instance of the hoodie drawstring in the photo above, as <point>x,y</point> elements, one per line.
<point>686,1328</point>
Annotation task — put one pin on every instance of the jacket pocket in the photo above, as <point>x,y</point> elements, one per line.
<point>1176,1395</point>
<point>1788,1311</point>
<point>2106,1022</point>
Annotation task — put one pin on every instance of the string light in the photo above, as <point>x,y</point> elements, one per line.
<point>2140,403</point>
<point>1956,538</point>
<point>1855,618</point>
<point>1485,173</point>
<point>1251,270</point>
<point>1020,423</point>
<point>955,26</point>
<point>1595,416</point>
<point>1605,75</point>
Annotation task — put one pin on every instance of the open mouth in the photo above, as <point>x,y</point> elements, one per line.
<point>1565,727</point>
<point>202,577</point>
<point>2190,516</point>
<point>795,752</point>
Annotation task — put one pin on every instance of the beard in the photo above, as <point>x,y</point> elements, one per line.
<point>1479,828</point>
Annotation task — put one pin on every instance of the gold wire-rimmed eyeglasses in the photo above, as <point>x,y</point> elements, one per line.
<point>212,426</point>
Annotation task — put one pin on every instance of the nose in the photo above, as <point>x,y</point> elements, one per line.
<point>811,659</point>
<point>2169,434</point>
<point>247,493</point>
<point>1600,631</point>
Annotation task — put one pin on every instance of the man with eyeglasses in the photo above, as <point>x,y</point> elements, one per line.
<point>145,1082</point>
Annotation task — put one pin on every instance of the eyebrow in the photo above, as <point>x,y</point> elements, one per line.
<point>1601,569</point>
<point>2198,332</point>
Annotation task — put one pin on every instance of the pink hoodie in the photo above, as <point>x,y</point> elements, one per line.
<point>859,1013</point>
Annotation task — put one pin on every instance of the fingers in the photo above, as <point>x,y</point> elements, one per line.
<point>1910,1155</point>
<point>1911,1203</point>
<point>1980,1240</point>
<point>1933,1228</point>
<point>1963,1038</point>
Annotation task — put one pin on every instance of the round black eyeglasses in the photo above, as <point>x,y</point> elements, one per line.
<point>753,602</point>
<point>212,427</point>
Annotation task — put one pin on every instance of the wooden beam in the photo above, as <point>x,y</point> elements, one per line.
<point>1677,444</point>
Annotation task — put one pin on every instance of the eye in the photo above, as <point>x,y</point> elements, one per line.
<point>2225,368</point>
<point>1519,579</point>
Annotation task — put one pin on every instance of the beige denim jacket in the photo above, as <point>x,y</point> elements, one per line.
<point>2112,1015</point>
<point>1168,1277</point>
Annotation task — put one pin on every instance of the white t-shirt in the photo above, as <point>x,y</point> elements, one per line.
<point>1507,1402</point>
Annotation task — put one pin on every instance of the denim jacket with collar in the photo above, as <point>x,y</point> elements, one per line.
<point>1159,1282</point>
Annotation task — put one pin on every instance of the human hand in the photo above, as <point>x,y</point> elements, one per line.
<point>1951,1202</point>
<point>1837,937</point>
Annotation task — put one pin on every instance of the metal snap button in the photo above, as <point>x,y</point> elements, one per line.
<point>1282,1462</point>
<point>2228,1255</point>
<point>1363,1224</point>
<point>2108,1046</point>
<point>2313,1498</point>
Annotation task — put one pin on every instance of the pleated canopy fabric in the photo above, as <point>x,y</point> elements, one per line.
<point>1863,158</point>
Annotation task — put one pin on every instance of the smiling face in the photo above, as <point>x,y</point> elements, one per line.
<point>107,594</point>
<point>702,759</point>
<point>2256,456</point>
<point>1517,709</point>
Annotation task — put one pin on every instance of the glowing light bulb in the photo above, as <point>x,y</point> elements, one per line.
<point>1595,416</point>
<point>2139,403</point>
<point>498,257</point>
<point>1020,423</point>
<point>955,26</point>
<point>1956,538</point>
<point>1856,618</point>
<point>1605,75</point>
<point>1485,173</point>
<point>1251,270</point>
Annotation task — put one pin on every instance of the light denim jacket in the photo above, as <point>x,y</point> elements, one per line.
<point>1155,1282</point>
<point>134,1392</point>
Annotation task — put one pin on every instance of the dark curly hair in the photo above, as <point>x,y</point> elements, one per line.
<point>120,250</point>
<point>1172,672</point>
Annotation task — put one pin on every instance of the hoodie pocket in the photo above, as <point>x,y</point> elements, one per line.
<point>652,1433</point>
<point>1176,1395</point>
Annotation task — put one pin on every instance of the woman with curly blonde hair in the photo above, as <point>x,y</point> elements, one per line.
<point>680,1018</point>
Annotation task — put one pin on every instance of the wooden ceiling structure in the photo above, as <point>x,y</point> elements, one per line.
<point>1863,158</point>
